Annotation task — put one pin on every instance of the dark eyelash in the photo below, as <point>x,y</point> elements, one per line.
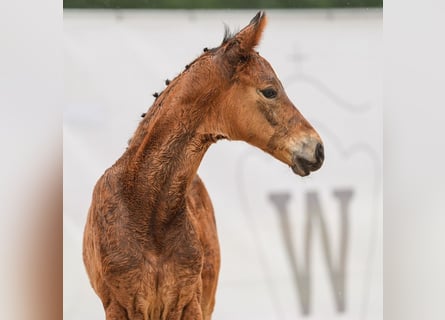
<point>269,93</point>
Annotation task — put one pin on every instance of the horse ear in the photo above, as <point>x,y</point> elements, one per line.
<point>236,47</point>
<point>249,37</point>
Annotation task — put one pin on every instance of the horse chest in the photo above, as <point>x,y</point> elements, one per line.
<point>180,265</point>
<point>172,280</point>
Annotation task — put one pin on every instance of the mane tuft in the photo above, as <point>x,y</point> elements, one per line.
<point>228,35</point>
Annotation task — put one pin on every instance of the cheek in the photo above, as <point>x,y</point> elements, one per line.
<point>259,124</point>
<point>267,112</point>
<point>251,117</point>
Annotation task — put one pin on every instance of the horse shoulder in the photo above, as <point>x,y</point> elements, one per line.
<point>108,241</point>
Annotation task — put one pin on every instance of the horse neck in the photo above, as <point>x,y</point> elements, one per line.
<point>163,158</point>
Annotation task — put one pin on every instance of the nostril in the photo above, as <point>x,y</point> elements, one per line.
<point>319,152</point>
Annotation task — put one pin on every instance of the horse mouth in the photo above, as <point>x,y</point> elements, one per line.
<point>302,172</point>
<point>303,167</point>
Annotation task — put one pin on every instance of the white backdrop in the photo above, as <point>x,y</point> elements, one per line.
<point>330,64</point>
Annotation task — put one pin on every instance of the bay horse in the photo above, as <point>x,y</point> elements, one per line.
<point>150,242</point>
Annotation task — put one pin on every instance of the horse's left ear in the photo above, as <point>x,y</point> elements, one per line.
<point>236,47</point>
<point>249,37</point>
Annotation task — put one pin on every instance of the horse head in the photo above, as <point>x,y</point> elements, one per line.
<point>254,106</point>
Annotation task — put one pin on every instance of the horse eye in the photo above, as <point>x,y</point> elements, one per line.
<point>269,93</point>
